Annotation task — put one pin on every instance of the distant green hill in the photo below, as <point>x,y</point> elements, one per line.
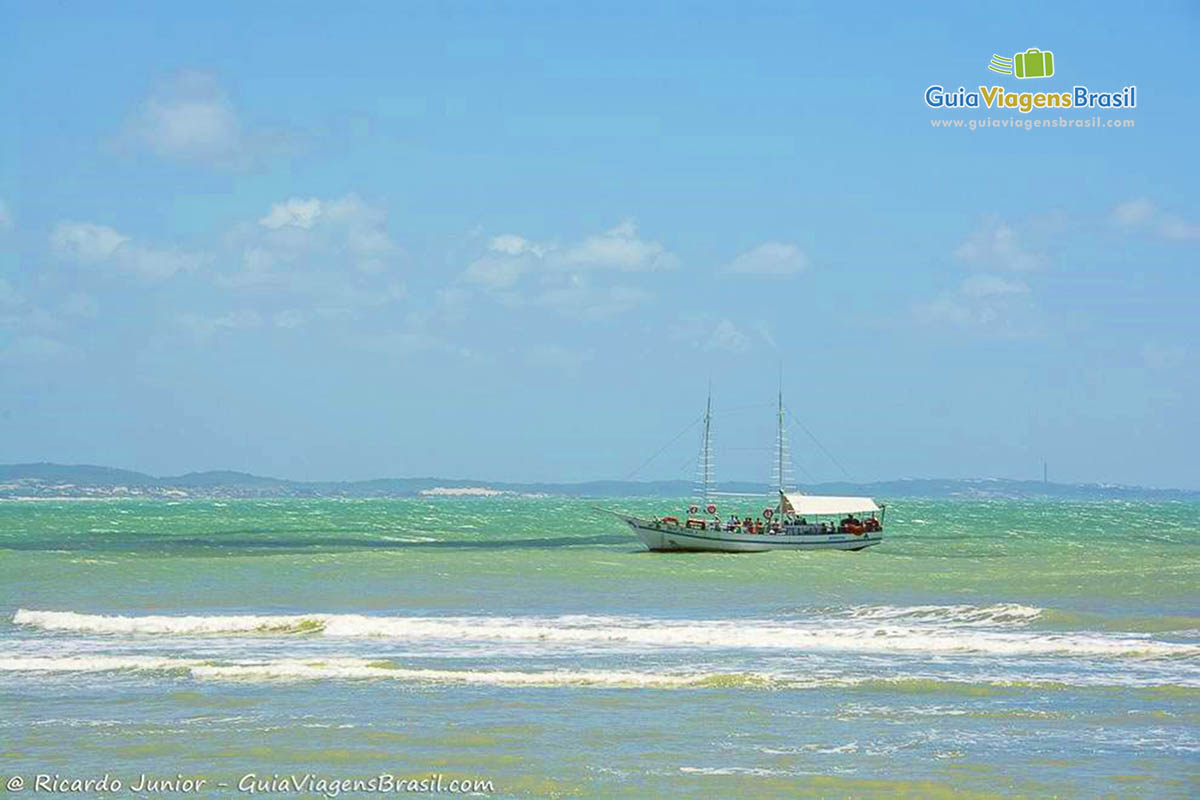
<point>75,473</point>
<point>85,480</point>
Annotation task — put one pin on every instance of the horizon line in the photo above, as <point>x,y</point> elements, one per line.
<point>483,482</point>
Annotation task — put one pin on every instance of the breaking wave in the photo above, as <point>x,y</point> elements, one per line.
<point>1000,614</point>
<point>290,670</point>
<point>367,669</point>
<point>187,625</point>
<point>878,629</point>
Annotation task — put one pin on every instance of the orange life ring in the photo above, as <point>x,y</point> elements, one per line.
<point>768,513</point>
<point>710,508</point>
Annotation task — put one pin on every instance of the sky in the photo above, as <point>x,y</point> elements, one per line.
<point>517,241</point>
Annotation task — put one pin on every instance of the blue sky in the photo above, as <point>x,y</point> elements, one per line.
<point>515,241</point>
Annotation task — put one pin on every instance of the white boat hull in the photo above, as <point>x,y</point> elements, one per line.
<point>667,536</point>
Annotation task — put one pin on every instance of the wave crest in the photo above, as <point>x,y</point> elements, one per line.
<point>866,635</point>
<point>999,614</point>
<point>358,669</point>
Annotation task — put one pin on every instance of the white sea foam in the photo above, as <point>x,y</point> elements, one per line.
<point>285,670</point>
<point>462,491</point>
<point>999,614</point>
<point>865,635</point>
<point>758,772</point>
<point>290,670</point>
<point>112,624</point>
<point>89,663</point>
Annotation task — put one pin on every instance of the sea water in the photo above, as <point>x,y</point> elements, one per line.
<point>987,647</point>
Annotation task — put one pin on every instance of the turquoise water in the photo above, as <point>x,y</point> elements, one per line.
<point>986,648</point>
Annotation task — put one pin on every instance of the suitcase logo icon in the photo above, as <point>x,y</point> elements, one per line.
<point>1033,63</point>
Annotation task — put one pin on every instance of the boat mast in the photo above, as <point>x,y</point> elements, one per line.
<point>781,449</point>
<point>780,437</point>
<point>706,461</point>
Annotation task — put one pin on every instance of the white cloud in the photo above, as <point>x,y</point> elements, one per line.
<point>205,326</point>
<point>157,264</point>
<point>35,332</point>
<point>764,330</point>
<point>991,286</point>
<point>293,211</point>
<point>415,336</point>
<point>317,258</point>
<point>517,271</point>
<point>513,245</point>
<point>986,305</point>
<point>990,303</point>
<point>190,118</point>
<point>300,233</point>
<point>1143,215</point>
<point>727,337</point>
<point>365,229</point>
<point>770,258</point>
<point>89,244</point>
<point>556,357</point>
<point>496,272</point>
<point>619,248</point>
<point>1133,213</point>
<point>996,246</point>
<point>289,318</point>
<point>579,298</point>
<point>706,333</point>
<point>85,242</point>
<point>1176,229</point>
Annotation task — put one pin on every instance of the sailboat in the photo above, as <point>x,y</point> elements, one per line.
<point>794,521</point>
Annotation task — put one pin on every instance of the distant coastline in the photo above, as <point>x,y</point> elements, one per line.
<point>62,481</point>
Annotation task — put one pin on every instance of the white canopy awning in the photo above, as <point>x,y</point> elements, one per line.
<point>806,504</point>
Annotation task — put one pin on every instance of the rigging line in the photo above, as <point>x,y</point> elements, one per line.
<point>831,456</point>
<point>660,450</point>
<point>803,471</point>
